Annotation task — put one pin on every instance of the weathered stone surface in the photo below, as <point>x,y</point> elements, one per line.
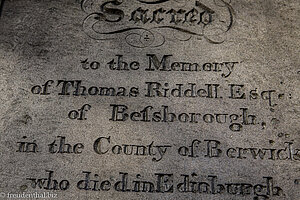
<point>150,99</point>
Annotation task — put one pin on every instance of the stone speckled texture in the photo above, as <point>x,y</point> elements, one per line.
<point>240,47</point>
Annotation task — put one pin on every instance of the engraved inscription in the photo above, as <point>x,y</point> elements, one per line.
<point>148,24</point>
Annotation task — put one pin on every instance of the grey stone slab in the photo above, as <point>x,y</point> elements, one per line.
<point>150,99</point>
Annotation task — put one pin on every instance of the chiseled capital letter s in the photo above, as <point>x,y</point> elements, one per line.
<point>116,14</point>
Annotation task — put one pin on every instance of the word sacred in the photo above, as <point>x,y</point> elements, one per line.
<point>198,15</point>
<point>150,19</point>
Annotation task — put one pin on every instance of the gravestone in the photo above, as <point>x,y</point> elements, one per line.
<point>150,99</point>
